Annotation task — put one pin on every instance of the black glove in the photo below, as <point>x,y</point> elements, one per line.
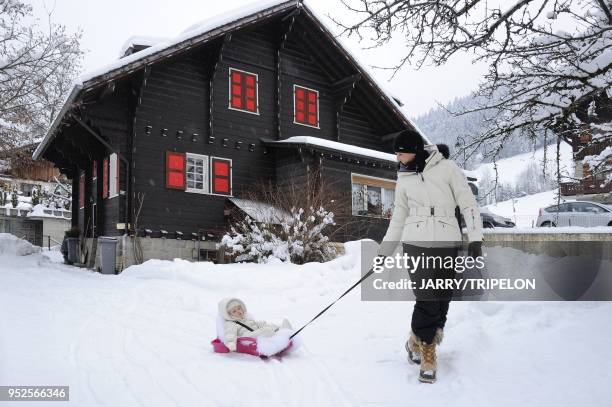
<point>475,249</point>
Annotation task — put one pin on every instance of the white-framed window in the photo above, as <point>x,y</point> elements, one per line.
<point>199,173</point>
<point>196,173</point>
<point>243,91</point>
<point>372,196</point>
<point>305,106</point>
<point>113,176</point>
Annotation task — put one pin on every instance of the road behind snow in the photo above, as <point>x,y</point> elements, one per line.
<point>142,338</point>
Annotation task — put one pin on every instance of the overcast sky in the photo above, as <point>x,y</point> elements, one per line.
<point>107,24</point>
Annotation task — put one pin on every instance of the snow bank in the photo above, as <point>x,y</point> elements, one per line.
<point>12,245</point>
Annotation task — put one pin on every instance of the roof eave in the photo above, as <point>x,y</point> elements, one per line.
<point>42,146</point>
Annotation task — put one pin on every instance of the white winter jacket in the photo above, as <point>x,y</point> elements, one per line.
<point>232,330</point>
<point>424,207</point>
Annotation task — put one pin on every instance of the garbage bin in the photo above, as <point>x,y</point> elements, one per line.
<point>72,244</point>
<point>108,254</point>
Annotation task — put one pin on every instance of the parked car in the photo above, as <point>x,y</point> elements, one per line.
<point>575,213</point>
<point>491,220</point>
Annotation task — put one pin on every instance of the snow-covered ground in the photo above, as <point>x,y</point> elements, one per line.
<point>510,169</point>
<point>142,338</point>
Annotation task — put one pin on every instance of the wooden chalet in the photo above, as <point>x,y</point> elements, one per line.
<point>192,122</point>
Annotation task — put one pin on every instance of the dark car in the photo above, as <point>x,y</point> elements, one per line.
<point>491,220</point>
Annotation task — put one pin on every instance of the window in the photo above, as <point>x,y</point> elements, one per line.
<point>305,106</point>
<point>588,208</point>
<point>197,173</point>
<point>372,196</point>
<point>175,170</point>
<point>243,91</point>
<point>221,170</point>
<point>94,170</point>
<point>105,178</point>
<point>113,176</point>
<point>82,191</point>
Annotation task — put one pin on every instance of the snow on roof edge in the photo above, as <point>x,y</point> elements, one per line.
<point>144,40</point>
<point>261,211</point>
<point>336,145</point>
<point>76,88</point>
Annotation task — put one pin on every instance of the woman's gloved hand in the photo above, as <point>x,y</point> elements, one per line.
<point>475,249</point>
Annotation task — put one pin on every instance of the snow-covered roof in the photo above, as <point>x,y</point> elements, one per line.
<point>140,41</point>
<point>336,146</point>
<point>42,211</point>
<point>202,32</point>
<point>262,212</point>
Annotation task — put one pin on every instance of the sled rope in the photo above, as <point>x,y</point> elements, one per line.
<point>368,274</point>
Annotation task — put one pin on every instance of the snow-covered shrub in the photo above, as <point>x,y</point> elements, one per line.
<point>298,240</point>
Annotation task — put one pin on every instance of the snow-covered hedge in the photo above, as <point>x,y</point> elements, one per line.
<point>300,240</point>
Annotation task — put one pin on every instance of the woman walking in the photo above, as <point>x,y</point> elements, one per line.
<point>429,187</point>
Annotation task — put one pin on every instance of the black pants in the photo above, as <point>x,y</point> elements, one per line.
<point>431,306</point>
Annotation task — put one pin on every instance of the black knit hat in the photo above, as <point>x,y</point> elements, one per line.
<point>408,141</point>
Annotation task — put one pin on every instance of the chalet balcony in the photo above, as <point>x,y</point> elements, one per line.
<point>577,188</point>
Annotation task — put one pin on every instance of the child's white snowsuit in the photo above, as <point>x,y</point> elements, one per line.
<point>233,331</point>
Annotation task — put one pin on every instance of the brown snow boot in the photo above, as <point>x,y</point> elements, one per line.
<point>428,363</point>
<point>413,347</point>
<point>439,336</point>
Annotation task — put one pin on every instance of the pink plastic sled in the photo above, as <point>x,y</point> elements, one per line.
<point>248,345</point>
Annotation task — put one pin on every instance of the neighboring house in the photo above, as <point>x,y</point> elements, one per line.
<point>186,125</point>
<point>19,170</point>
<point>593,139</point>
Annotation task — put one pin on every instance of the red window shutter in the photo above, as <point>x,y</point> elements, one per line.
<point>175,170</point>
<point>221,176</point>
<point>306,106</point>
<point>82,191</point>
<point>105,178</point>
<point>243,91</point>
<point>236,86</point>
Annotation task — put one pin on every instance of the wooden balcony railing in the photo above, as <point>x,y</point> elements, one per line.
<point>577,188</point>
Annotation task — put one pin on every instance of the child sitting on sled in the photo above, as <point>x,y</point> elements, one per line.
<point>236,323</point>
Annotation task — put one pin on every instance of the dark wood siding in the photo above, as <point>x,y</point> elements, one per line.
<point>298,67</point>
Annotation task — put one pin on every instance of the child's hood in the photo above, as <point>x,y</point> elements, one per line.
<point>224,312</point>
